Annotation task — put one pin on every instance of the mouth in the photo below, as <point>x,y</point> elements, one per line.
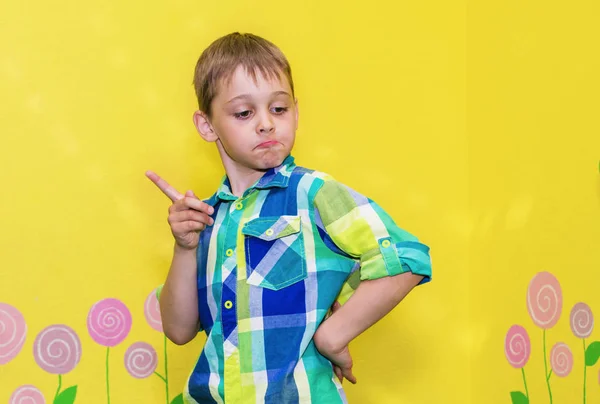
<point>267,144</point>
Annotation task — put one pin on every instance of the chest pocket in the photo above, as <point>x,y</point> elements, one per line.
<point>274,251</point>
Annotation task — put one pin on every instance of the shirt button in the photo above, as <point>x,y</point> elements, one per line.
<point>269,232</point>
<point>229,252</point>
<point>228,304</point>
<point>239,206</point>
<point>385,243</point>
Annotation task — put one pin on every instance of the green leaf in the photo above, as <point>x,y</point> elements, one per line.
<point>178,399</point>
<point>592,353</point>
<point>67,396</point>
<point>518,398</point>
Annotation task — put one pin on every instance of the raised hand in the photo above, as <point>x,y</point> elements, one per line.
<point>188,215</point>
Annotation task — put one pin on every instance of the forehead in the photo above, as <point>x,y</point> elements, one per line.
<point>242,82</point>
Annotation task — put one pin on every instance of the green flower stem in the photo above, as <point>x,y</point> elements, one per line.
<point>107,382</point>
<point>546,369</point>
<point>59,386</point>
<point>525,382</point>
<point>584,372</point>
<point>161,377</point>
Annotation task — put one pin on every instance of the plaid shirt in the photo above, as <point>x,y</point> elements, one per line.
<point>270,268</point>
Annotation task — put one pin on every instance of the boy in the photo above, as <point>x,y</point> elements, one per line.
<point>259,264</point>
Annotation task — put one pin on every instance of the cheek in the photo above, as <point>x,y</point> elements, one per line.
<point>290,127</point>
<point>230,130</point>
<point>289,121</point>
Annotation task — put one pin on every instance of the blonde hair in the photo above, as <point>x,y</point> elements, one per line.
<point>220,60</point>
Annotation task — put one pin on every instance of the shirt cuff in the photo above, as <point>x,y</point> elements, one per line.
<point>392,259</point>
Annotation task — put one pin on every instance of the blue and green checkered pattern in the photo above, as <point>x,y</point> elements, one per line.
<point>269,270</point>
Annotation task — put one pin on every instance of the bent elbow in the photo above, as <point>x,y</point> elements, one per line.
<point>178,338</point>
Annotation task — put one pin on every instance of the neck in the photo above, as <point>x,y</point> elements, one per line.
<point>240,178</point>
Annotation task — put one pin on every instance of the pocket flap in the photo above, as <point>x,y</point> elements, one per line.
<point>271,228</point>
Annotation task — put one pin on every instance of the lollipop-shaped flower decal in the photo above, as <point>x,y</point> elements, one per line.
<point>57,350</point>
<point>152,311</point>
<point>582,320</point>
<point>141,360</point>
<point>544,300</point>
<point>517,348</point>
<point>561,359</point>
<point>109,323</point>
<point>13,331</point>
<point>582,324</point>
<point>27,395</point>
<point>544,303</point>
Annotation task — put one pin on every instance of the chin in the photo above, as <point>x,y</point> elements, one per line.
<point>270,159</point>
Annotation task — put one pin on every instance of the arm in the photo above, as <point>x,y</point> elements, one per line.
<point>372,301</point>
<point>392,262</point>
<point>179,298</point>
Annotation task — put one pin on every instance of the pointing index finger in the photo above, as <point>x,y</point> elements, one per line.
<point>164,186</point>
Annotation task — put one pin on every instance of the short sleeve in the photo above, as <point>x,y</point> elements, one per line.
<point>362,230</point>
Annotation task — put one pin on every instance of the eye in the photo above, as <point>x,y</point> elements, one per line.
<point>279,110</point>
<point>242,115</point>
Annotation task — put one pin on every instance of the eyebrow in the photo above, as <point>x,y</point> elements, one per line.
<point>247,96</point>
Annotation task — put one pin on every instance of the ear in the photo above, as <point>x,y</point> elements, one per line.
<point>297,113</point>
<point>204,127</point>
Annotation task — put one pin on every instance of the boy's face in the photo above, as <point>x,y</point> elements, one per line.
<point>253,123</point>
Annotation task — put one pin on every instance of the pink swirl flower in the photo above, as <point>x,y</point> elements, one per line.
<point>561,359</point>
<point>582,320</point>
<point>152,312</point>
<point>13,331</point>
<point>544,300</point>
<point>109,322</point>
<point>517,346</point>
<point>57,349</point>
<point>27,395</point>
<point>141,360</point>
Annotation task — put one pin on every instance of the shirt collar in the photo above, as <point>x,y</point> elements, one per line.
<point>276,177</point>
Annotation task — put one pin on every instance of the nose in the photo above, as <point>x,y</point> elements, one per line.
<point>266,129</point>
<point>266,124</point>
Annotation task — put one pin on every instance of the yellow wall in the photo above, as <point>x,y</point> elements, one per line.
<point>534,185</point>
<point>474,126</point>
